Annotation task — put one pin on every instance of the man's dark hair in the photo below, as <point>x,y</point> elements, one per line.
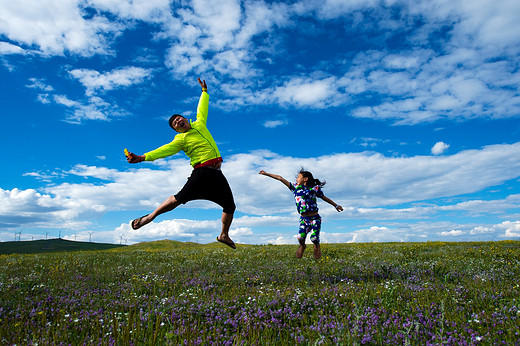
<point>172,118</point>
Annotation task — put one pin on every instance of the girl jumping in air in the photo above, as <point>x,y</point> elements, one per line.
<point>305,192</point>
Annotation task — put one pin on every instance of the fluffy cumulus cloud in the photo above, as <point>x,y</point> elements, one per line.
<point>511,229</point>
<point>8,48</point>
<point>439,148</point>
<point>372,184</point>
<point>453,233</point>
<point>94,106</point>
<point>201,231</point>
<point>374,234</point>
<point>275,123</point>
<point>154,11</point>
<point>472,72</point>
<point>218,38</point>
<point>462,80</point>
<point>57,27</point>
<point>119,78</point>
<point>437,88</point>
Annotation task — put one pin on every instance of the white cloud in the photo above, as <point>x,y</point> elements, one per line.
<point>123,77</point>
<point>471,76</point>
<point>8,48</point>
<point>511,229</point>
<point>65,101</point>
<point>154,11</point>
<point>94,172</point>
<point>282,240</point>
<point>303,92</point>
<point>56,27</point>
<point>241,231</point>
<point>370,179</point>
<point>421,85</point>
<point>439,148</point>
<point>167,229</point>
<point>487,25</point>
<point>368,142</point>
<point>95,109</point>
<point>481,207</point>
<point>401,62</point>
<point>365,184</point>
<point>262,221</point>
<point>423,231</point>
<point>453,233</point>
<point>206,28</point>
<point>183,59</point>
<point>374,234</point>
<point>437,88</point>
<point>39,84</point>
<point>221,20</point>
<point>482,230</point>
<point>275,123</point>
<point>332,9</point>
<point>217,39</point>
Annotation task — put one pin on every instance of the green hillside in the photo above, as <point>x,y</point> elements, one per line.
<point>173,244</point>
<point>62,245</point>
<point>52,245</point>
<point>162,245</point>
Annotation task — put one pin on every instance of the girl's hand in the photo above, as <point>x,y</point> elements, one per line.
<point>339,208</point>
<point>262,172</point>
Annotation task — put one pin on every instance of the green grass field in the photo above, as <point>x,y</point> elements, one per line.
<point>173,293</point>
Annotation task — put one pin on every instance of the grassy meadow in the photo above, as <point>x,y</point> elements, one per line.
<point>378,293</point>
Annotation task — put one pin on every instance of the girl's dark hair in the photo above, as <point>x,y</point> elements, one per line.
<point>311,182</point>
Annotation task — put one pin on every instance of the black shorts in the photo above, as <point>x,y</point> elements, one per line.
<point>209,184</point>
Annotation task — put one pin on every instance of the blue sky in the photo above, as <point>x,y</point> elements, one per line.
<point>409,110</point>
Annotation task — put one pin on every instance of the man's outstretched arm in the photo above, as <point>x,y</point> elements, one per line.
<point>202,108</point>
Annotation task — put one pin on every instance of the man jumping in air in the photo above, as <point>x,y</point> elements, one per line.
<point>206,180</point>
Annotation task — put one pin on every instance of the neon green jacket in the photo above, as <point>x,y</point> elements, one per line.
<point>197,143</point>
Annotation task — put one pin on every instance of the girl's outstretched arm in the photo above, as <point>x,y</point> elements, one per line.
<point>331,202</point>
<point>276,177</point>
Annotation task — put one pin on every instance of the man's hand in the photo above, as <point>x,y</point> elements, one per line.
<point>203,85</point>
<point>133,158</point>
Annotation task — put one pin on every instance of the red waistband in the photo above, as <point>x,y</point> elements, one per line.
<point>210,163</point>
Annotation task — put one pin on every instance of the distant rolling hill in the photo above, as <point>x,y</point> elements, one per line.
<point>173,244</point>
<point>62,245</point>
<point>52,245</point>
<point>163,245</point>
